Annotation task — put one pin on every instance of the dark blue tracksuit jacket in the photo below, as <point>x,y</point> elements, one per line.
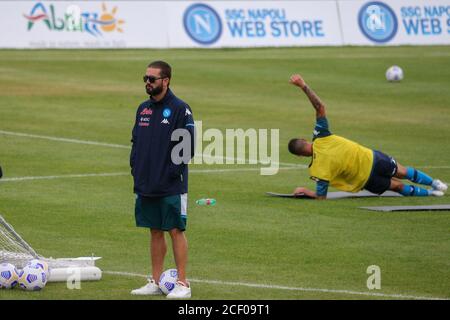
<point>154,172</point>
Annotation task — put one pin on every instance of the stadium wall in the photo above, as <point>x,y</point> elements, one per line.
<point>215,24</point>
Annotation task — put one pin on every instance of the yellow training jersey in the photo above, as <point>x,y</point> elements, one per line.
<point>345,164</point>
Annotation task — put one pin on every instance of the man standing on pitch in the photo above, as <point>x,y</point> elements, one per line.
<point>160,173</point>
<point>349,166</point>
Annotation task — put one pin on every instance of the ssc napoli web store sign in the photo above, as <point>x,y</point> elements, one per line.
<point>395,22</point>
<point>253,23</point>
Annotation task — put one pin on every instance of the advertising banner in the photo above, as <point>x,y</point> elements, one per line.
<point>253,23</point>
<point>216,24</point>
<point>395,22</point>
<point>82,24</point>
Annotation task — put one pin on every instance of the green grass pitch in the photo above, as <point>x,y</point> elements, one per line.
<point>248,246</point>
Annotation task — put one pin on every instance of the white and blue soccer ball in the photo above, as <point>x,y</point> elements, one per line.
<point>32,278</point>
<point>8,276</point>
<point>394,74</point>
<point>167,280</point>
<point>40,263</point>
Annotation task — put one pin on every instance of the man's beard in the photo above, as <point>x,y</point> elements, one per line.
<point>153,91</point>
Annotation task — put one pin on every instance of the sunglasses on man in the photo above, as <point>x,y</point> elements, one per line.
<point>151,79</point>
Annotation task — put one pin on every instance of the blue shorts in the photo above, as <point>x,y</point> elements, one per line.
<point>383,169</point>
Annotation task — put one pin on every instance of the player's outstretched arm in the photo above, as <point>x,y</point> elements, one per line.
<point>298,81</point>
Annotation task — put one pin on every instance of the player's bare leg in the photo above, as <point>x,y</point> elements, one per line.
<point>180,252</point>
<point>158,249</point>
<point>401,171</point>
<point>396,185</point>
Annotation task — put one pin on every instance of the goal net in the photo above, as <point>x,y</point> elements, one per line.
<point>15,250</point>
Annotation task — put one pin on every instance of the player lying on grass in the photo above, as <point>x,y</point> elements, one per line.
<point>351,167</point>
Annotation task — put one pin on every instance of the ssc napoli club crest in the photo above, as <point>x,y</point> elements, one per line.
<point>166,113</point>
<point>377,22</point>
<point>202,24</point>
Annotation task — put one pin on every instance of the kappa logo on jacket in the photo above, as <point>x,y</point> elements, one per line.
<point>165,121</point>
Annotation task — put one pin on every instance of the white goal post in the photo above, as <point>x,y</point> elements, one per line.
<point>15,250</point>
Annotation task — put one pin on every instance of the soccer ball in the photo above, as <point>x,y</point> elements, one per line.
<point>40,263</point>
<point>167,280</point>
<point>32,278</point>
<point>394,74</point>
<point>8,276</point>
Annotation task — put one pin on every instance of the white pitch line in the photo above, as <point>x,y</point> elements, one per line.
<point>121,146</point>
<point>277,287</point>
<point>242,169</point>
<point>64,176</point>
<point>36,136</point>
<point>115,174</point>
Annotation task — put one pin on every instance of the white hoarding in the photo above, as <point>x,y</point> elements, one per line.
<point>179,24</point>
<point>253,23</point>
<point>82,24</point>
<point>395,22</point>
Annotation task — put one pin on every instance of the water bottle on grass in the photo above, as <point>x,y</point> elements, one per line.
<point>206,202</point>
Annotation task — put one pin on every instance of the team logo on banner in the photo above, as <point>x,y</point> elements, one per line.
<point>377,22</point>
<point>202,24</point>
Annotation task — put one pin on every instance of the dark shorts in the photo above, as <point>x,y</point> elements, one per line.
<point>383,169</point>
<point>161,213</point>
